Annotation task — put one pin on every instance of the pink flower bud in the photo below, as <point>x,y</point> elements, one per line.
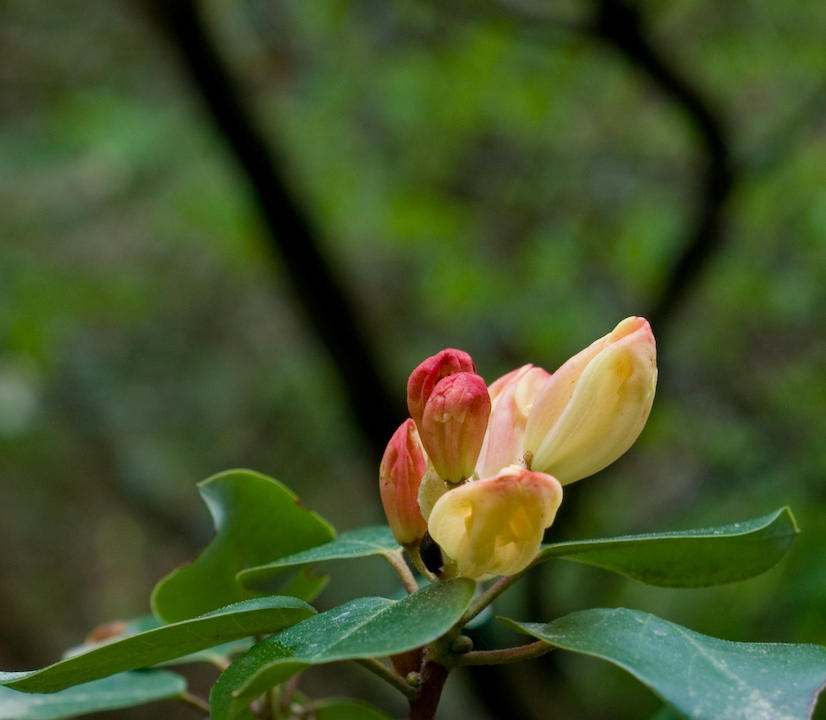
<point>402,468</point>
<point>426,376</point>
<point>594,407</point>
<point>511,397</point>
<point>495,526</point>
<point>453,425</point>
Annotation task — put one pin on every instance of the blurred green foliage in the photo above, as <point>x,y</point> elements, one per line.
<point>485,176</point>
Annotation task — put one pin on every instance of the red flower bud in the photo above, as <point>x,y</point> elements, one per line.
<point>426,376</point>
<point>454,423</point>
<point>402,468</point>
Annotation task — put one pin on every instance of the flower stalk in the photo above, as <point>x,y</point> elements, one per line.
<point>396,559</point>
<point>488,596</point>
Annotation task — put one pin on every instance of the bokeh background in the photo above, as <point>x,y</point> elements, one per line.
<point>230,229</point>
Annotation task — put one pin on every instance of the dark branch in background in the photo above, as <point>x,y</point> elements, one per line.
<point>293,238</point>
<point>620,24</point>
<point>291,235</point>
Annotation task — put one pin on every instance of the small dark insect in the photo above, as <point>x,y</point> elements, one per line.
<point>431,554</point>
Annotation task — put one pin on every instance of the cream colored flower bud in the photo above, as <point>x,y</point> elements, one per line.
<point>495,526</point>
<point>402,468</point>
<point>431,489</point>
<point>594,407</point>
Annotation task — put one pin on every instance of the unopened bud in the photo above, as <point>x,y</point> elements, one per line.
<point>495,526</point>
<point>431,489</point>
<point>427,375</point>
<point>402,468</point>
<point>107,632</point>
<point>461,645</point>
<point>594,407</point>
<point>511,398</point>
<point>454,423</point>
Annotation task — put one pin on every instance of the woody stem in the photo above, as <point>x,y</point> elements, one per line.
<point>432,679</point>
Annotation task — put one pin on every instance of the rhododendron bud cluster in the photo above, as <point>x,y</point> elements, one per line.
<point>479,470</point>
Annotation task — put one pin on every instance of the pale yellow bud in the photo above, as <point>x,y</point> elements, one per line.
<point>594,407</point>
<point>495,526</point>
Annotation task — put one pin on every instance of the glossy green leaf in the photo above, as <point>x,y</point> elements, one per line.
<point>346,710</point>
<point>702,677</point>
<point>115,630</point>
<point>218,655</point>
<point>366,627</point>
<point>257,520</point>
<point>251,617</point>
<point>692,558</point>
<point>363,542</point>
<point>112,693</point>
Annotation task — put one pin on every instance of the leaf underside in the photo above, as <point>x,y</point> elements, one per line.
<point>112,693</point>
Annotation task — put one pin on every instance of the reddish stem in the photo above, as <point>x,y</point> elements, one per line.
<point>433,679</point>
<point>408,662</point>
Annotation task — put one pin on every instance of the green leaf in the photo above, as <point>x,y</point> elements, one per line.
<point>257,520</point>
<point>363,542</point>
<point>666,712</point>
<point>346,710</point>
<point>251,617</point>
<point>702,677</point>
<point>113,693</point>
<point>692,558</point>
<point>219,655</point>
<point>361,628</point>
